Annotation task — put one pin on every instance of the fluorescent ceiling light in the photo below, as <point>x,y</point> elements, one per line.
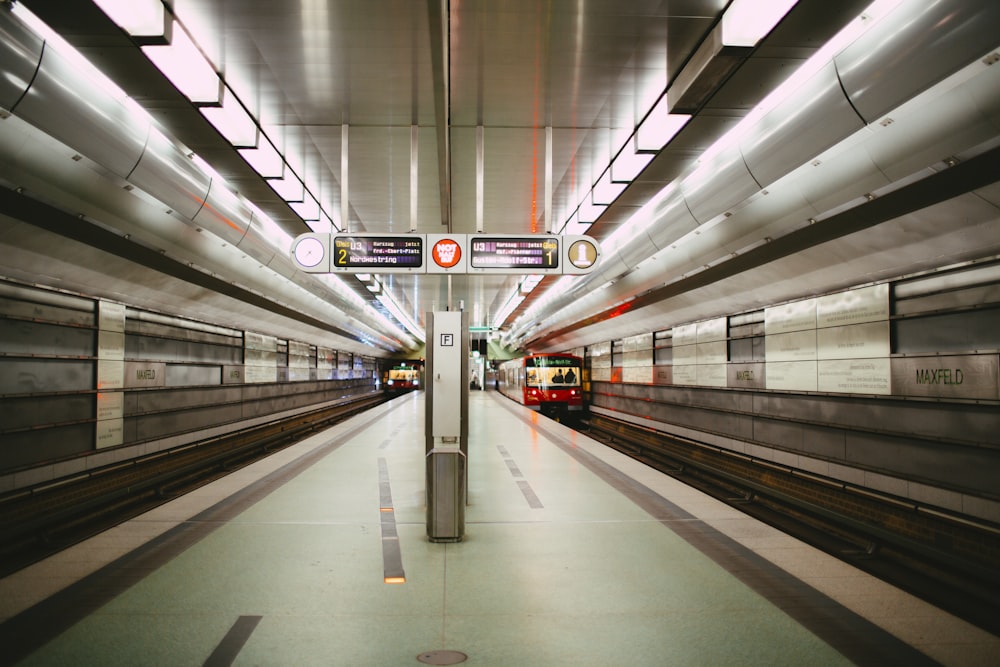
<point>324,225</point>
<point>574,226</point>
<point>232,121</point>
<point>187,68</point>
<point>590,212</point>
<point>605,190</point>
<point>139,18</point>
<point>308,208</point>
<point>628,164</point>
<point>746,22</point>
<point>289,187</point>
<point>659,127</point>
<point>265,159</point>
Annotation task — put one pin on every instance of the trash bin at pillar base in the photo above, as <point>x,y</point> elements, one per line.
<point>445,495</point>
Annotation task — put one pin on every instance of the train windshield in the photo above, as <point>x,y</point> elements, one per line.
<point>552,372</point>
<point>403,375</point>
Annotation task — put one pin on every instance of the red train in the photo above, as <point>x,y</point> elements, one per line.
<point>549,383</point>
<point>404,376</point>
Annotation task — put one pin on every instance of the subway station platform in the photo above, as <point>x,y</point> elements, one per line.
<point>573,555</point>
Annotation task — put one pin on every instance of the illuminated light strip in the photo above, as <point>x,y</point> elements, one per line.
<point>392,558</point>
<point>139,18</point>
<point>187,68</point>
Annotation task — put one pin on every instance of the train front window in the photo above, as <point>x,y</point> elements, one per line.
<point>556,372</point>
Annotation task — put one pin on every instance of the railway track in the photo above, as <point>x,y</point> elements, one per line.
<point>43,519</point>
<point>944,559</point>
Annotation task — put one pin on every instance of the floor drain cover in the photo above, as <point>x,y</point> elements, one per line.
<point>442,657</point>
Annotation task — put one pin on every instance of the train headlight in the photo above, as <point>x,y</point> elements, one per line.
<point>389,383</point>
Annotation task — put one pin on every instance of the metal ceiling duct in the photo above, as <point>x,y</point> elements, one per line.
<point>820,114</point>
<point>47,90</point>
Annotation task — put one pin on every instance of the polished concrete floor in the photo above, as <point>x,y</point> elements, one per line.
<point>573,555</point>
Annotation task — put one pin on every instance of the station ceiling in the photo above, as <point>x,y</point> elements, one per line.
<point>386,108</point>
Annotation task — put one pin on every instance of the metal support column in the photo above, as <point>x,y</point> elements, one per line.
<point>446,424</point>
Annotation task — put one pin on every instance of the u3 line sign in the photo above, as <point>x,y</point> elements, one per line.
<point>445,253</point>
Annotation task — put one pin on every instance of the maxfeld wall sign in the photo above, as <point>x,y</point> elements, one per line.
<point>445,253</point>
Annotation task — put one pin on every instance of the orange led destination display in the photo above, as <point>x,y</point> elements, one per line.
<point>529,253</point>
<point>378,252</point>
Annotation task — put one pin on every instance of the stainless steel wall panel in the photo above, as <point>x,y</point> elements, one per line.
<point>972,376</point>
<point>52,313</point>
<point>82,115</point>
<point>30,302</point>
<point>973,297</point>
<point>28,447</point>
<point>34,376</point>
<point>898,59</point>
<point>187,375</point>
<point>161,425</point>
<point>35,412</point>
<point>139,328</point>
<point>40,338</point>
<point>167,349</point>
<point>955,333</point>
<point>167,173</point>
<point>817,114</point>
<point>746,375</point>
<point>20,53</point>
<point>967,469</point>
<point>166,400</point>
<point>144,374</point>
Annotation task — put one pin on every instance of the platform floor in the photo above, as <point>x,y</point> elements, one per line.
<point>573,555</point>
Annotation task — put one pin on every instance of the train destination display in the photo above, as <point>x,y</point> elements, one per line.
<point>527,253</point>
<point>378,252</point>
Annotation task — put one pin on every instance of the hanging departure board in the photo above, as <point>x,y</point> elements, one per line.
<point>445,253</point>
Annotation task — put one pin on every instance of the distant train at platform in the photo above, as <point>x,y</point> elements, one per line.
<point>404,376</point>
<point>549,383</point>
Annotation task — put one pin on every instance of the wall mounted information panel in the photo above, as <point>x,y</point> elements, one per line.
<point>445,253</point>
